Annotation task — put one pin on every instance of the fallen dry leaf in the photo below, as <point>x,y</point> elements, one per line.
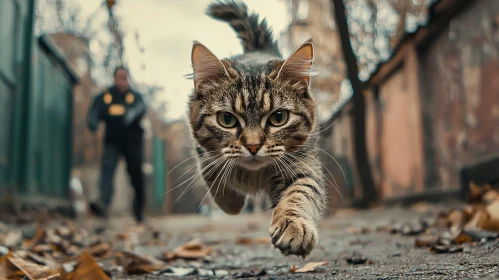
<point>264,240</point>
<point>249,241</point>
<point>64,232</point>
<point>100,250</point>
<point>360,230</point>
<point>190,250</point>
<point>309,267</point>
<point>37,239</point>
<point>136,264</point>
<point>493,210</point>
<point>33,271</point>
<point>42,248</point>
<point>292,269</point>
<point>456,218</point>
<point>490,196</point>
<point>87,268</point>
<point>421,207</point>
<point>7,269</point>
<point>479,218</point>
<point>122,236</point>
<point>244,241</point>
<point>463,238</point>
<point>42,260</point>
<point>476,192</point>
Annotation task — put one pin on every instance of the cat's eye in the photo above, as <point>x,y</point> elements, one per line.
<point>279,118</point>
<point>226,120</point>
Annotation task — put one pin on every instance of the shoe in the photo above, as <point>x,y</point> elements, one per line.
<point>98,209</point>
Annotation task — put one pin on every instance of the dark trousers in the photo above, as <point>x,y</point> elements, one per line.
<point>133,153</point>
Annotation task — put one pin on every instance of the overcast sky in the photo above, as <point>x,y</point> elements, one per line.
<point>167,29</point>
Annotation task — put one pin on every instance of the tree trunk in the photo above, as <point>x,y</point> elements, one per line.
<point>359,114</point>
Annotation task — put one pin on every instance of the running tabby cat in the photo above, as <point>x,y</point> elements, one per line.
<point>254,119</point>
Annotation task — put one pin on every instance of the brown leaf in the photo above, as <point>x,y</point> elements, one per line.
<point>122,236</point>
<point>479,218</point>
<point>421,207</point>
<point>7,269</point>
<point>493,210</point>
<point>354,230</point>
<point>490,197</point>
<point>190,250</point>
<point>476,192</point>
<point>42,248</point>
<point>263,240</point>
<point>244,241</point>
<point>136,264</point>
<point>100,250</point>
<point>32,270</point>
<point>456,218</point>
<point>64,232</point>
<point>249,241</point>
<point>42,260</point>
<point>87,268</point>
<point>311,266</point>
<point>292,269</point>
<point>463,238</point>
<point>37,239</point>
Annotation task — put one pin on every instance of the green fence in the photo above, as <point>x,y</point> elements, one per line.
<point>158,185</point>
<point>48,151</point>
<point>35,111</point>
<point>14,20</point>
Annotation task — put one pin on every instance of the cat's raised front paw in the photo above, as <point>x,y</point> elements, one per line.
<point>293,236</point>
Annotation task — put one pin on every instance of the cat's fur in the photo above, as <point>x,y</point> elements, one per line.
<point>251,87</point>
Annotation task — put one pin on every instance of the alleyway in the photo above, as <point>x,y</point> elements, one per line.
<point>354,245</point>
<point>347,234</point>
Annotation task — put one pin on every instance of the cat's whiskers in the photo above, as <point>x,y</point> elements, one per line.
<point>194,156</point>
<point>319,149</point>
<point>227,178</point>
<point>288,168</point>
<point>299,169</point>
<point>324,129</point>
<point>279,169</point>
<point>198,177</point>
<point>195,165</point>
<point>209,189</point>
<point>230,162</point>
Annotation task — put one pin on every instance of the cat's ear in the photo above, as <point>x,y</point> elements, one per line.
<point>298,67</point>
<point>206,65</point>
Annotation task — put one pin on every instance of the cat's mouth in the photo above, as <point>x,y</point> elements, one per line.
<point>253,163</point>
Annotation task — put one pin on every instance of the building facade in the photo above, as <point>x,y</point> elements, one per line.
<point>313,19</point>
<point>432,108</point>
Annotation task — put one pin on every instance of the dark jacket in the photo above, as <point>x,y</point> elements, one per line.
<point>121,113</point>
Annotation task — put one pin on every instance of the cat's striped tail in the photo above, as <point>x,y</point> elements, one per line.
<point>255,35</point>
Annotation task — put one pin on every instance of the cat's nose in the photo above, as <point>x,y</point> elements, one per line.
<point>253,148</point>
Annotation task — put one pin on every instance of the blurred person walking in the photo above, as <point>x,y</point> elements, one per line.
<point>121,108</point>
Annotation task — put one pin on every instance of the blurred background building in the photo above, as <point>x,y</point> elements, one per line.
<point>429,71</point>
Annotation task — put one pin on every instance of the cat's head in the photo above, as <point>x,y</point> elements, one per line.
<point>252,108</point>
